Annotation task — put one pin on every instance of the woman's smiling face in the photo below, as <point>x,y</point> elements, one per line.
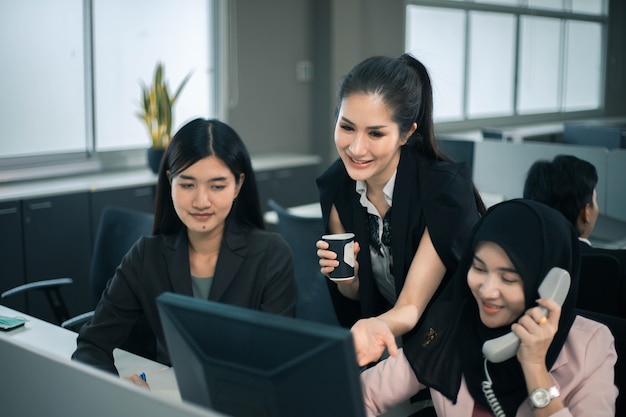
<point>203,195</point>
<point>367,138</point>
<point>496,286</point>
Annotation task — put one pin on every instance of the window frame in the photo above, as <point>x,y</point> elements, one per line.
<point>44,166</point>
<point>518,11</point>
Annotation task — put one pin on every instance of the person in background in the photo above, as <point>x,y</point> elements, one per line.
<point>411,208</point>
<point>568,184</point>
<point>208,242</point>
<point>564,363</point>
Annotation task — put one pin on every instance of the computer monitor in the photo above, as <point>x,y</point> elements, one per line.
<point>244,362</point>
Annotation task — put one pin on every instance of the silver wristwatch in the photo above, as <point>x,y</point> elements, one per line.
<point>541,397</point>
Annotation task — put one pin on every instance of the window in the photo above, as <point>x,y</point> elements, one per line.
<point>73,83</point>
<point>126,50</point>
<point>510,58</point>
<point>539,66</point>
<point>491,65</point>
<point>42,84</point>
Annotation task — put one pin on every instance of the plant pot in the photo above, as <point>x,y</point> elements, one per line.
<point>154,159</point>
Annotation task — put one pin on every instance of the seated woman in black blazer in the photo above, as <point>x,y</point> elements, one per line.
<point>208,242</point>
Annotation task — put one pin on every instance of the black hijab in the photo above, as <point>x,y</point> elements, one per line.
<point>447,344</point>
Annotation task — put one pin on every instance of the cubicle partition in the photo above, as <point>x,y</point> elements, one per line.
<point>38,378</point>
<point>616,184</point>
<point>38,384</point>
<point>501,167</point>
<point>609,134</point>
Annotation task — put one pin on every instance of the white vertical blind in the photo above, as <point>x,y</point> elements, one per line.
<point>510,62</point>
<point>539,70</point>
<point>129,39</point>
<point>491,64</point>
<point>584,60</point>
<point>42,86</point>
<point>442,54</point>
<point>46,86</point>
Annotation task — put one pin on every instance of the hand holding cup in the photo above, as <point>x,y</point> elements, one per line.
<point>342,244</point>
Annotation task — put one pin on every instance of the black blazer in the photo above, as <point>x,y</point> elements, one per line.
<point>254,270</point>
<point>437,195</point>
<point>620,254</point>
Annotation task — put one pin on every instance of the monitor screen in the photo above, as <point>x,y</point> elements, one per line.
<point>244,362</point>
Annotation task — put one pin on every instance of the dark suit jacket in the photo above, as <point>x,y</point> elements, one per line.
<point>254,270</point>
<point>614,301</point>
<point>437,195</point>
<point>620,254</point>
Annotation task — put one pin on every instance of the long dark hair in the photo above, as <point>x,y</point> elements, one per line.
<point>195,141</point>
<point>404,85</point>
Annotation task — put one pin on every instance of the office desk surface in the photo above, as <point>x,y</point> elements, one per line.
<point>60,343</point>
<point>77,390</point>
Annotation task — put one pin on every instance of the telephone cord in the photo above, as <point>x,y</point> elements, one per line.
<point>491,396</point>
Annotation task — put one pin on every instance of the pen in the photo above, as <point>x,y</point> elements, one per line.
<point>143,376</point>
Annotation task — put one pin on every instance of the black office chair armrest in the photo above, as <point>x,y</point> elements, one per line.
<point>75,323</point>
<point>37,285</point>
<point>52,290</point>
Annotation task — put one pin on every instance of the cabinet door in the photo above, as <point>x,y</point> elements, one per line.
<point>12,253</point>
<point>296,186</point>
<point>57,242</point>
<point>288,186</point>
<point>137,198</point>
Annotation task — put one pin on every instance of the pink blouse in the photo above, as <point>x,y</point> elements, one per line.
<point>583,373</point>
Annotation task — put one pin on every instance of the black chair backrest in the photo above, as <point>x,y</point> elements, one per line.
<point>601,283</point>
<point>301,233</point>
<point>617,325</point>
<point>118,230</point>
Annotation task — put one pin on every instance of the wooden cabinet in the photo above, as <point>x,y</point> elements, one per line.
<point>12,253</point>
<point>57,244</point>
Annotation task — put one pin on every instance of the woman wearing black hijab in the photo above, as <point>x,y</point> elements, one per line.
<point>564,365</point>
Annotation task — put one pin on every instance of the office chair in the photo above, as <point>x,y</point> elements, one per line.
<point>301,233</point>
<point>52,290</point>
<point>601,284</point>
<point>617,325</point>
<point>118,230</point>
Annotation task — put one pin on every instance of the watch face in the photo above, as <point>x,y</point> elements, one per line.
<point>540,398</point>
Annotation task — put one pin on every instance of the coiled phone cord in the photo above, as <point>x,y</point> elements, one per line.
<point>491,396</point>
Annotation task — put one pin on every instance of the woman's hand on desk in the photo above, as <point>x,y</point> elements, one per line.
<point>137,380</point>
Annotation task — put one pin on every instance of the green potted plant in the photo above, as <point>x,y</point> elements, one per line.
<point>156,112</point>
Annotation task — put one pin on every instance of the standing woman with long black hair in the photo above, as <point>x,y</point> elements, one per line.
<point>411,208</point>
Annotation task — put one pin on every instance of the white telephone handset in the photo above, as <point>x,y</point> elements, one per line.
<point>554,286</point>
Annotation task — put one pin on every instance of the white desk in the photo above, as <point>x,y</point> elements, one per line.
<point>38,345</point>
<point>306,210</point>
<point>61,343</point>
<point>314,210</point>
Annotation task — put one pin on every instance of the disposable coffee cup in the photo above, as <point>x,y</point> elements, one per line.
<point>343,245</point>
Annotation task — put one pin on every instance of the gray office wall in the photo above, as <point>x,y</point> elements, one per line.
<point>274,112</point>
<point>271,110</point>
